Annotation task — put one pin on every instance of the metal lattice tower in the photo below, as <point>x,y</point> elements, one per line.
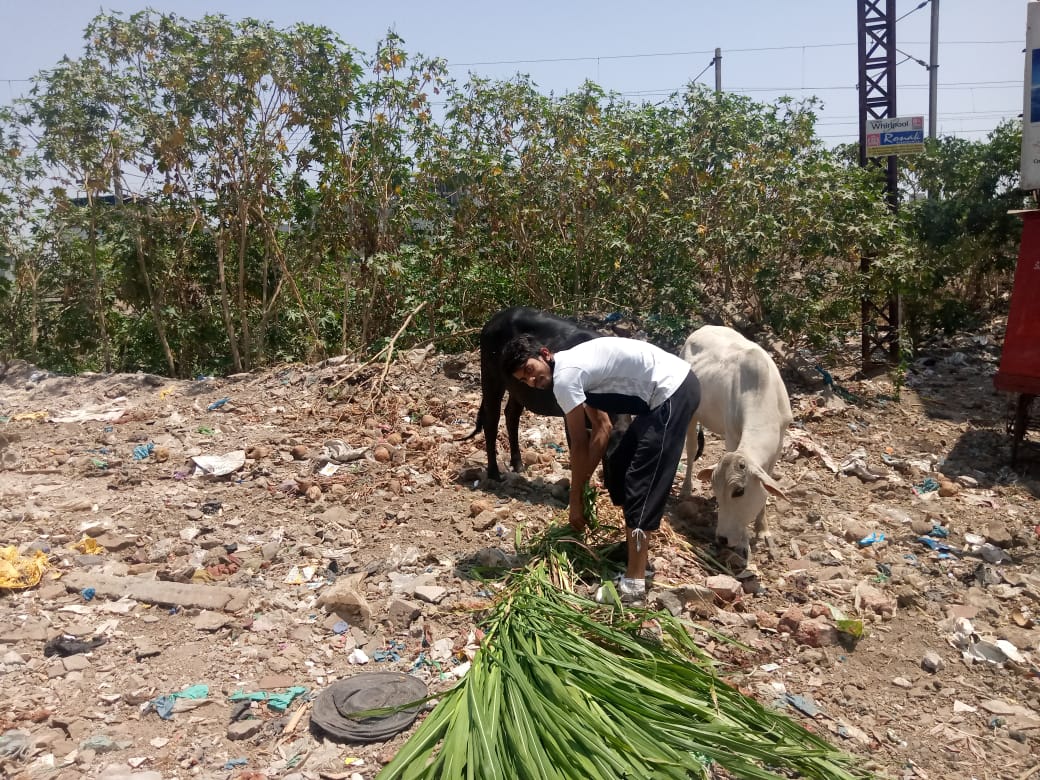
<point>876,22</point>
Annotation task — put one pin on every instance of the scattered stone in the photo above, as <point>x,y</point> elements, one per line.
<point>816,633</point>
<point>114,542</point>
<point>244,729</point>
<point>727,589</point>
<point>922,526</point>
<point>76,663</point>
<point>790,620</point>
<point>668,600</point>
<point>432,594</point>
<point>871,599</point>
<point>403,613</point>
<point>346,600</point>
<point>485,520</point>
<point>854,530</point>
<point>479,506</point>
<point>932,662</point>
<point>998,535</point>
<point>211,621</point>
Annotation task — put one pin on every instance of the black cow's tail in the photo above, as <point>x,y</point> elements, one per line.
<point>700,441</point>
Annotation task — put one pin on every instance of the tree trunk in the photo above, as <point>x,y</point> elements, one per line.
<point>142,266</point>
<point>346,308</point>
<point>225,307</point>
<point>99,296</point>
<point>240,288</point>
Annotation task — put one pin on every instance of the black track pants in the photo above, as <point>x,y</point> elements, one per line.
<point>640,463</point>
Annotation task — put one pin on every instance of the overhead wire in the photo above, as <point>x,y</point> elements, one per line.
<point>913,10</point>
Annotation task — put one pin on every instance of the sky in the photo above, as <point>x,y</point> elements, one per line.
<point>643,50</point>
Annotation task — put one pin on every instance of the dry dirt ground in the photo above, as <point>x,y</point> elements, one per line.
<point>278,573</point>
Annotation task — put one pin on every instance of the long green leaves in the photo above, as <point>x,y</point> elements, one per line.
<point>566,688</point>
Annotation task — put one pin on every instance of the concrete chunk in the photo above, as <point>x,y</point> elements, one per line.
<point>153,591</point>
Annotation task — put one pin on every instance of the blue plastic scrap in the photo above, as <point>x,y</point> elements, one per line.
<point>278,702</point>
<point>392,652</point>
<point>944,550</point>
<point>88,593</point>
<point>163,705</point>
<point>931,544</point>
<point>217,404</point>
<point>233,763</point>
<point>930,485</point>
<point>874,536</point>
<point>939,532</point>
<point>142,451</point>
<point>340,627</point>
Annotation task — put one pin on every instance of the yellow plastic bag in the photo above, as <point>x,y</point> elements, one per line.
<point>88,546</point>
<point>18,572</point>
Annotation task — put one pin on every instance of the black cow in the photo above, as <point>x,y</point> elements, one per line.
<point>554,332</point>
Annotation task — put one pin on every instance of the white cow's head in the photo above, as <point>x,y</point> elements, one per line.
<point>740,487</point>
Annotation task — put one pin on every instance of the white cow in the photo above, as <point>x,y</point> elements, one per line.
<point>743,399</point>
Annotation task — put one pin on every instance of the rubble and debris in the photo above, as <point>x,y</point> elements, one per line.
<point>293,537</point>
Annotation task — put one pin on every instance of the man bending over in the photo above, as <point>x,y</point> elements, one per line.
<point>617,376</point>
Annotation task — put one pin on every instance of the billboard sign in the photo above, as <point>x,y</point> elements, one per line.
<point>1031,108</point>
<point>896,135</point>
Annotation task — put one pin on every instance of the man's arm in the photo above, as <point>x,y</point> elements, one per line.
<point>586,452</point>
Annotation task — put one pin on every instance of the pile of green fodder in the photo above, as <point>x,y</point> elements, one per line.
<point>564,687</point>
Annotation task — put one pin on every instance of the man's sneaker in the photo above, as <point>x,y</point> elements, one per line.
<point>632,592</point>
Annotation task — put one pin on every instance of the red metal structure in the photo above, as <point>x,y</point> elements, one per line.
<point>1019,370</point>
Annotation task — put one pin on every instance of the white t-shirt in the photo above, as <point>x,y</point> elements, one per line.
<point>617,375</point>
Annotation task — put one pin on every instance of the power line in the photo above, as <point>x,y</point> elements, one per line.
<point>913,10</point>
<point>542,60</point>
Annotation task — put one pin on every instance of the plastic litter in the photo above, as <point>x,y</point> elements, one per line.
<point>217,404</point>
<point>871,538</point>
<point>65,645</point>
<point>95,413</point>
<point>15,743</point>
<point>278,702</point>
<point>142,451</point>
<point>88,594</point>
<point>336,450</point>
<point>165,706</point>
<point>855,463</point>
<point>930,485</point>
<point>944,550</point>
<point>219,465</point>
<point>18,572</point>
<point>392,652</point>
<point>990,553</point>
<point>234,763</point>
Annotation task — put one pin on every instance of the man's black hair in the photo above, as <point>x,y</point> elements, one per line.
<point>518,350</point>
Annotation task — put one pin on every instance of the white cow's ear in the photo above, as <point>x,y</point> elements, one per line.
<point>767,481</point>
<point>704,475</point>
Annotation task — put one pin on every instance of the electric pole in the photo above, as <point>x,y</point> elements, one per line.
<point>718,70</point>
<point>933,70</point>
